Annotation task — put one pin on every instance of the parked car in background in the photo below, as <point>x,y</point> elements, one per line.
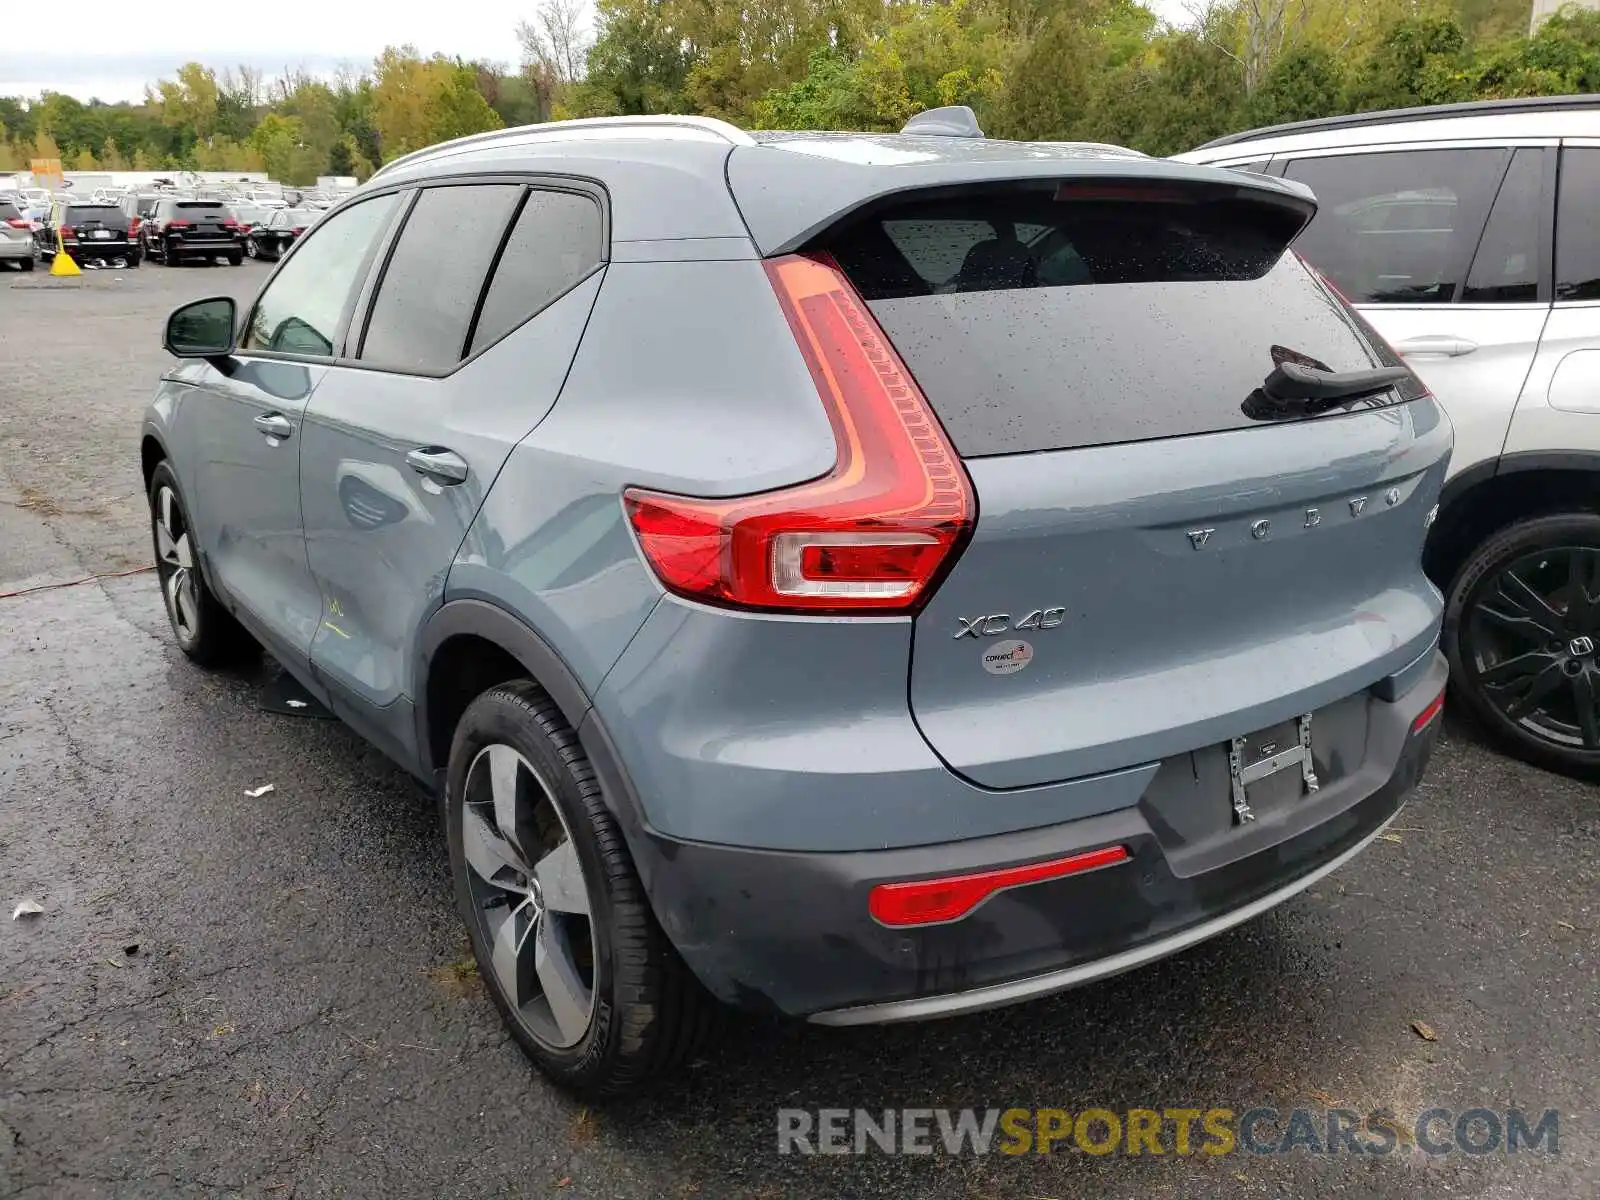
<point>248,216</point>
<point>16,236</point>
<point>858,577</point>
<point>92,234</point>
<point>139,207</point>
<point>193,229</point>
<point>283,228</point>
<point>1469,235</point>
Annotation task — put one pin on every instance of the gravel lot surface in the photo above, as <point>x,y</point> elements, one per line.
<point>269,997</point>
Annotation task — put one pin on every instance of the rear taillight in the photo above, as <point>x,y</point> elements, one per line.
<point>230,225</point>
<point>19,223</point>
<point>68,231</point>
<point>937,901</point>
<point>178,224</point>
<point>298,230</point>
<point>875,532</point>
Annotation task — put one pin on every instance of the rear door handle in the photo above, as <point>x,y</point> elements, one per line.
<point>439,465</point>
<point>1445,345</point>
<point>276,426</point>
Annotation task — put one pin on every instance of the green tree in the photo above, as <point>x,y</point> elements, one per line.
<point>1307,81</point>
<point>1418,61</point>
<point>637,64</point>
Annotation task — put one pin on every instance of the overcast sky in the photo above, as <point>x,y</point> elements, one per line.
<point>117,49</point>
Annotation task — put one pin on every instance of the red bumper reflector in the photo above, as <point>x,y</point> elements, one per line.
<point>935,901</point>
<point>1426,716</point>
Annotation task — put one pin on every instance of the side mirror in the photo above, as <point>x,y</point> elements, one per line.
<point>202,329</point>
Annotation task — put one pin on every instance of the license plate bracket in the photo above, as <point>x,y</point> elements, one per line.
<point>1265,754</point>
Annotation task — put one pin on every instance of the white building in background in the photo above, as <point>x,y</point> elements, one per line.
<point>1543,9</point>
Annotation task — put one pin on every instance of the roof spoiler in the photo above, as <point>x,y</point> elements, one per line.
<point>956,120</point>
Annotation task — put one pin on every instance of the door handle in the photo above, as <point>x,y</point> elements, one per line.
<point>437,464</point>
<point>275,425</point>
<point>1443,344</point>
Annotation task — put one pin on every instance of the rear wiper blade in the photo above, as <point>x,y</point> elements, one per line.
<point>1293,390</point>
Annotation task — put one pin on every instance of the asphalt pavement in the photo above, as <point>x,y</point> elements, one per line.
<point>270,996</point>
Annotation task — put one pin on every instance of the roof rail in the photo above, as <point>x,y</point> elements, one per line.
<point>732,134</point>
<point>1436,112</point>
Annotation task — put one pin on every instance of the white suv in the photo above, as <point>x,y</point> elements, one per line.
<point>1469,235</point>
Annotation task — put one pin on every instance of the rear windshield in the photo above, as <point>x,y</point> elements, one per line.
<point>201,207</point>
<point>9,211</point>
<point>1047,318</point>
<point>108,214</point>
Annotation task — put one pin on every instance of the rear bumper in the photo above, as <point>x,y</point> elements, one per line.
<point>203,246</point>
<point>790,932</point>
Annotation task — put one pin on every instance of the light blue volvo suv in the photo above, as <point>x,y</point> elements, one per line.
<point>853,577</point>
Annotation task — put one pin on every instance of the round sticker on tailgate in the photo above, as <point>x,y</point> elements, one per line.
<point>1007,658</point>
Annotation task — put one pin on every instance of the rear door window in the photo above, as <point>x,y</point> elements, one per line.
<point>1578,226</point>
<point>1507,266</point>
<point>555,242</point>
<point>430,287</point>
<point>1038,319</point>
<point>1398,228</point>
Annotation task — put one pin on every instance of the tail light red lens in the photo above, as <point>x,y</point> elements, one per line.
<point>875,532</point>
<point>937,901</point>
<point>68,231</point>
<point>1428,715</point>
<point>230,225</point>
<point>19,223</point>
<point>178,224</point>
<point>298,230</point>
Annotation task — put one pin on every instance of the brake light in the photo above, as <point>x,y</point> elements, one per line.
<point>68,231</point>
<point>297,230</point>
<point>178,224</point>
<point>937,901</point>
<point>19,223</point>
<point>1428,715</point>
<point>876,531</point>
<point>230,224</point>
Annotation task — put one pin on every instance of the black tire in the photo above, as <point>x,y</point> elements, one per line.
<point>133,262</point>
<point>204,630</point>
<point>236,259</point>
<point>648,1012</point>
<point>1510,647</point>
<point>168,258</point>
<point>25,264</point>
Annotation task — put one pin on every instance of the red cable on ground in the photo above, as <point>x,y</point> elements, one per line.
<point>50,587</point>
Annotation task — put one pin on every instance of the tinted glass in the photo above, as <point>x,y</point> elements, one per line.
<point>9,211</point>
<point>1506,268</point>
<point>104,213</point>
<point>1578,227</point>
<point>554,243</point>
<point>431,286</point>
<point>1398,228</point>
<point>199,208</point>
<point>1043,327</point>
<point>300,310</point>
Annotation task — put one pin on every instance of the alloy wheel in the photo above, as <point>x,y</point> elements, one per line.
<point>1532,629</point>
<point>530,899</point>
<point>175,565</point>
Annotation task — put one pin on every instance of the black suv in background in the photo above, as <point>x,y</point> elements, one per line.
<point>93,234</point>
<point>139,210</point>
<point>203,229</point>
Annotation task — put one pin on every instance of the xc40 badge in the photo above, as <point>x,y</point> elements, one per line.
<point>994,624</point>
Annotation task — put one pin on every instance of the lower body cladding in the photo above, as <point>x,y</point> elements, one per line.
<point>795,933</point>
